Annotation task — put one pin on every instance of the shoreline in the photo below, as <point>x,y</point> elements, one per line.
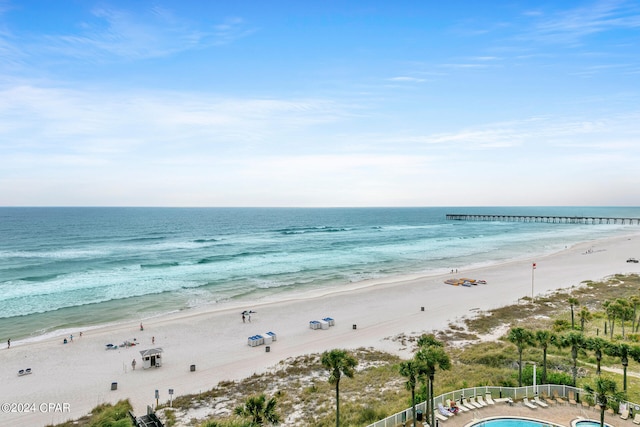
<point>295,295</point>
<point>214,338</point>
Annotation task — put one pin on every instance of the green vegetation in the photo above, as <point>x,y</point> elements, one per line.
<point>479,352</point>
<point>104,415</point>
<point>259,410</point>
<point>338,363</point>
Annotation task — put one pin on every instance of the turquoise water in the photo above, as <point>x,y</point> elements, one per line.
<point>514,422</point>
<point>67,267</point>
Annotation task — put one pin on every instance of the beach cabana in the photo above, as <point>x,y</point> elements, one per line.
<point>151,358</point>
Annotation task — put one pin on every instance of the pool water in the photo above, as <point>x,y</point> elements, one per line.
<point>587,423</point>
<point>517,422</point>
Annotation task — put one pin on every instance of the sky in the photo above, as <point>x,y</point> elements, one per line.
<point>319,103</point>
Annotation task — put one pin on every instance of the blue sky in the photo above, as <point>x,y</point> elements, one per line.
<point>319,103</point>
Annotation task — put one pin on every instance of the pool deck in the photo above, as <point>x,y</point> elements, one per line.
<point>561,414</point>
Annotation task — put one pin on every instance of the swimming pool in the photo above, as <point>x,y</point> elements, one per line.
<point>587,423</point>
<point>516,422</point>
<point>530,422</point>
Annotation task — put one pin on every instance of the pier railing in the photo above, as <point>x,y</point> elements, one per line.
<point>544,218</point>
<point>514,393</point>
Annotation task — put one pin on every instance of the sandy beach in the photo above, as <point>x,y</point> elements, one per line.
<point>68,380</point>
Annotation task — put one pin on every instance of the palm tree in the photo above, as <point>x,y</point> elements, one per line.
<point>597,345</point>
<point>432,356</point>
<point>412,370</point>
<point>584,316</point>
<point>625,311</point>
<point>573,302</point>
<point>521,338</point>
<point>604,392</point>
<point>577,342</point>
<point>260,410</point>
<point>622,351</point>
<point>634,301</point>
<point>544,338</point>
<point>339,363</point>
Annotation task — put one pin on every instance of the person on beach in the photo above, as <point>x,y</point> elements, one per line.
<point>243,318</point>
<point>9,343</point>
<point>141,327</point>
<point>133,364</point>
<point>153,340</point>
<point>249,317</point>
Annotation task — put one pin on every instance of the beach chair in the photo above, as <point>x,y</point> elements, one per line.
<point>624,414</point>
<point>572,399</point>
<point>540,403</point>
<point>444,411</point>
<point>528,404</point>
<point>468,405</point>
<point>548,399</point>
<point>480,400</point>
<point>557,397</point>
<point>636,419</point>
<point>461,407</point>
<point>489,399</point>
<point>441,417</point>
<point>585,404</point>
<point>471,404</point>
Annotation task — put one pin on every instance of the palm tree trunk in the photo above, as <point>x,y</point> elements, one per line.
<point>433,416</point>
<point>338,404</point>
<point>413,404</point>
<point>520,368</point>
<point>544,366</point>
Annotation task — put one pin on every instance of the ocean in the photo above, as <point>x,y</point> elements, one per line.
<point>66,268</point>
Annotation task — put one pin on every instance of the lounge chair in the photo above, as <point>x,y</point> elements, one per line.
<point>540,403</point>
<point>636,419</point>
<point>610,411</point>
<point>548,399</point>
<point>480,400</point>
<point>468,405</point>
<point>528,404</point>
<point>444,412</point>
<point>489,399</point>
<point>471,404</point>
<point>461,408</point>
<point>584,404</point>
<point>558,398</point>
<point>572,398</point>
<point>441,417</point>
<point>624,414</point>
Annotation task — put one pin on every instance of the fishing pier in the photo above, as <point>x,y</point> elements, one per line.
<point>544,218</point>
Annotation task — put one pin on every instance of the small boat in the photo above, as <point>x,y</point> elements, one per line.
<point>453,282</point>
<point>22,372</point>
<point>482,282</point>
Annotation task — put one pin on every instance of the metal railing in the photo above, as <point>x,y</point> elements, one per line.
<point>515,393</point>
